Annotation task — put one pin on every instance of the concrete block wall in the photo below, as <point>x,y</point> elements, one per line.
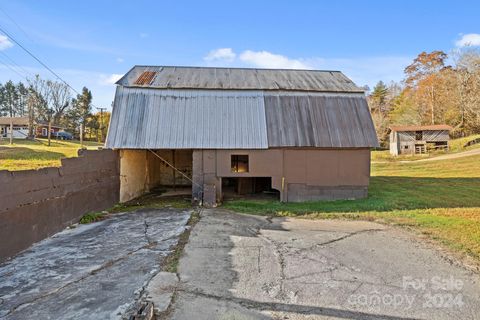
<point>35,204</point>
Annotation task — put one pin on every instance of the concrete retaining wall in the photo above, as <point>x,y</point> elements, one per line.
<point>35,204</point>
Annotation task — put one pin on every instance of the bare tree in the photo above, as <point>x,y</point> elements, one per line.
<point>60,98</point>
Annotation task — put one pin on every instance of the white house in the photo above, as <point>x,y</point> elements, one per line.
<point>20,127</point>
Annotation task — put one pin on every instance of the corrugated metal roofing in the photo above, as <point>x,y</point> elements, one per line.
<point>319,120</point>
<point>422,128</point>
<point>239,79</point>
<point>232,119</point>
<point>193,119</point>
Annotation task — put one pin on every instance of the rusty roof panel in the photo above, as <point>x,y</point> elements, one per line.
<point>422,128</point>
<point>145,78</point>
<point>319,120</point>
<point>239,79</point>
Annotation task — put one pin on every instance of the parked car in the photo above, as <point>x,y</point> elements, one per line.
<point>62,135</point>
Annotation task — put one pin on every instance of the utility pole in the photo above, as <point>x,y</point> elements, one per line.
<point>81,135</point>
<point>50,113</point>
<point>101,122</point>
<point>11,129</point>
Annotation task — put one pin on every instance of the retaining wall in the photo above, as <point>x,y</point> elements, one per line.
<point>35,204</point>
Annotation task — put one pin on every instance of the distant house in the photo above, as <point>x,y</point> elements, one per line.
<point>20,128</point>
<point>41,129</point>
<point>418,139</point>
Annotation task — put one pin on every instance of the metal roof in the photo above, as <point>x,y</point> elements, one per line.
<point>319,120</point>
<point>432,127</point>
<point>166,77</point>
<point>187,119</point>
<point>233,119</point>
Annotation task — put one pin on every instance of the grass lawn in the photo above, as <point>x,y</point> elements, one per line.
<point>28,154</point>
<point>440,199</point>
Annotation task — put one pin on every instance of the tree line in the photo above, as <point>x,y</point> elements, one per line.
<point>51,101</point>
<point>437,89</point>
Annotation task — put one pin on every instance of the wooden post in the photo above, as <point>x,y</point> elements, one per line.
<point>49,130</point>
<point>11,130</point>
<point>174,176</point>
<point>81,134</point>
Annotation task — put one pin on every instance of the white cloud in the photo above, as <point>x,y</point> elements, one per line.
<point>143,35</point>
<point>265,59</point>
<point>5,43</point>
<point>221,54</point>
<point>120,60</point>
<point>110,79</point>
<point>362,70</point>
<point>470,39</point>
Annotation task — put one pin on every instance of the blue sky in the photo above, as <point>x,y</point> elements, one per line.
<point>92,43</point>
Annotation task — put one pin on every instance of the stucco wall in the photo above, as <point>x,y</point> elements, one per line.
<point>133,174</point>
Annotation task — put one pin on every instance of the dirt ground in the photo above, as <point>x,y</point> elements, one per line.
<point>247,267</point>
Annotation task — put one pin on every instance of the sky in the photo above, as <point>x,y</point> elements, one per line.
<point>93,43</point>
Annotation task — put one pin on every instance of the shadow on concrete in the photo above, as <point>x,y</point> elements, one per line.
<point>210,277</point>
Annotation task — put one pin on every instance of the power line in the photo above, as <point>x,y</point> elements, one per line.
<point>16,64</point>
<point>12,69</point>
<point>16,24</point>
<point>38,60</point>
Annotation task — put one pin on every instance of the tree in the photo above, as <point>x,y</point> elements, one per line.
<point>423,78</point>
<point>423,65</point>
<point>82,106</point>
<point>60,98</point>
<point>379,97</point>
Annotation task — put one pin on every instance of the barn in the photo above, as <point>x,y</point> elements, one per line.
<point>418,139</point>
<point>301,134</point>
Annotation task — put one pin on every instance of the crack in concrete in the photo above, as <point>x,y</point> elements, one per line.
<point>282,307</point>
<point>346,237</point>
<point>104,266</point>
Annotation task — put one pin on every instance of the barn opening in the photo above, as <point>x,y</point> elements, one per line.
<point>142,171</point>
<point>248,187</point>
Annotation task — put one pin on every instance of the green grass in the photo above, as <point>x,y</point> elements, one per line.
<point>456,145</point>
<point>92,217</point>
<point>29,154</point>
<point>438,198</point>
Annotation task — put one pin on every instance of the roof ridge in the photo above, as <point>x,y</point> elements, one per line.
<point>238,68</point>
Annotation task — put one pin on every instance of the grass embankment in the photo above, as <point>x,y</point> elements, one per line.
<point>438,198</point>
<point>455,146</point>
<point>35,154</point>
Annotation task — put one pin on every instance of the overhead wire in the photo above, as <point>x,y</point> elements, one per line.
<point>37,59</point>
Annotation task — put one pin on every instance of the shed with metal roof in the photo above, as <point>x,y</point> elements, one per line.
<point>304,133</point>
<point>418,139</point>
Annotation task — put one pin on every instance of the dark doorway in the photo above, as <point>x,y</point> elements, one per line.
<point>248,187</point>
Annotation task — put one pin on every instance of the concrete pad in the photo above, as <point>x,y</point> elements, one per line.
<point>94,271</point>
<point>160,290</point>
<point>248,267</point>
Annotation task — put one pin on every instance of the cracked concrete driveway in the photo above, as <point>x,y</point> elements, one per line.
<point>246,267</point>
<point>94,271</point>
